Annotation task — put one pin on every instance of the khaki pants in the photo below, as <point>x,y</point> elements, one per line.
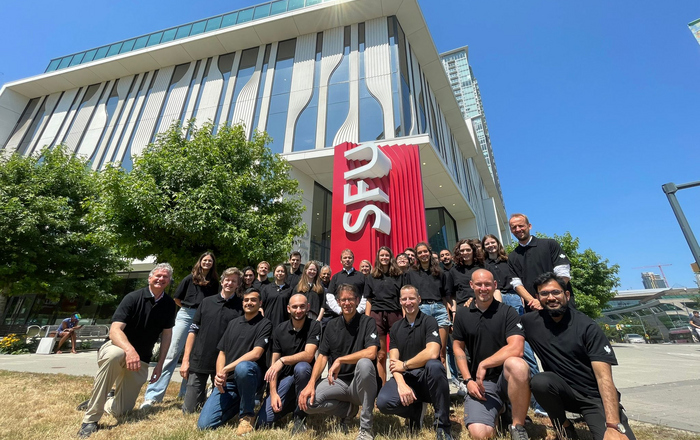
<point>111,362</point>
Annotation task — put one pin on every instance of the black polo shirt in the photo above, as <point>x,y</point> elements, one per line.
<point>486,333</point>
<point>243,336</point>
<point>501,274</point>
<point>313,299</point>
<point>274,302</point>
<point>145,319</point>
<point>192,294</point>
<point>430,288</point>
<point>294,277</point>
<point>412,339</point>
<point>567,347</point>
<point>287,342</point>
<point>261,284</point>
<point>209,323</point>
<point>384,294</point>
<point>341,338</point>
<point>539,256</point>
<point>458,278</point>
<point>356,278</point>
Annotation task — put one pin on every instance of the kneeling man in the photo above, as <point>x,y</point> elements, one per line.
<point>293,348</point>
<point>418,375</point>
<point>140,318</point>
<point>496,374</point>
<point>350,343</point>
<point>239,368</point>
<point>576,358</point>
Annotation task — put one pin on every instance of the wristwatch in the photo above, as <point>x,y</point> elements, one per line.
<point>466,381</point>
<point>619,427</point>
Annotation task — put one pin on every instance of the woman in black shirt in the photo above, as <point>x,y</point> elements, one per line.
<point>310,286</point>
<point>275,297</point>
<point>497,263</point>
<point>467,260</point>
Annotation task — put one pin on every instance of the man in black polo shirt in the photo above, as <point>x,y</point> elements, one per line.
<point>239,368</point>
<point>576,359</point>
<point>496,373</point>
<point>262,280</point>
<point>208,326</point>
<point>446,259</point>
<point>350,343</point>
<point>140,318</point>
<point>295,269</point>
<point>348,275</point>
<point>417,374</point>
<point>293,348</point>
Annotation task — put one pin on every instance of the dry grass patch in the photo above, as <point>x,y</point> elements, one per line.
<point>42,406</point>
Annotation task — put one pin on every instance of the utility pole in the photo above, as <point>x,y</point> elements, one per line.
<point>670,191</point>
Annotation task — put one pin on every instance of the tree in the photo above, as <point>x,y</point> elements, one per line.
<point>48,245</point>
<point>205,191</point>
<point>592,278</point>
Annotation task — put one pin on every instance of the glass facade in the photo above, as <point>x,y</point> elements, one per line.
<point>305,127</point>
<point>442,229</point>
<point>371,113</point>
<point>279,101</point>
<point>320,248</point>
<point>339,93</point>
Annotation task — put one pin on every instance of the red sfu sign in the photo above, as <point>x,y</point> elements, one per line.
<point>377,200</point>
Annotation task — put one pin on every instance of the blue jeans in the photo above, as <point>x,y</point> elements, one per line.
<point>156,390</point>
<point>288,388</point>
<point>451,362</point>
<point>514,300</point>
<point>238,398</point>
<point>438,311</point>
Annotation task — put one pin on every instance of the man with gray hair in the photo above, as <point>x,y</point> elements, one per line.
<point>140,318</point>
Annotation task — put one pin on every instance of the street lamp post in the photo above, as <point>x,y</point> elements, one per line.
<point>670,191</point>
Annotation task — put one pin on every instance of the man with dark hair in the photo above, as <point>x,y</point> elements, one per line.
<point>496,373</point>
<point>348,275</point>
<point>695,322</point>
<point>294,345</point>
<point>208,326</point>
<point>576,359</point>
<point>295,269</point>
<point>418,376</point>
<point>350,344</point>
<point>141,317</point>
<point>239,368</point>
<point>446,259</point>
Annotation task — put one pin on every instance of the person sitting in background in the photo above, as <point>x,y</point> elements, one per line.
<point>67,330</point>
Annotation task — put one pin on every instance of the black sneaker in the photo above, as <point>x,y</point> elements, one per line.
<point>299,426</point>
<point>87,429</point>
<point>83,406</point>
<point>518,432</point>
<point>443,434</point>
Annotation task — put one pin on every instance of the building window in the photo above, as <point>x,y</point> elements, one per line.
<point>246,68</point>
<point>225,65</point>
<point>279,101</point>
<point>320,249</point>
<point>261,89</point>
<point>305,126</point>
<point>178,74</point>
<point>339,93</point>
<point>442,229</point>
<point>371,113</point>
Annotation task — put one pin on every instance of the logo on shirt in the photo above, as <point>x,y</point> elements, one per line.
<point>373,336</point>
<point>607,349</point>
<point>318,337</point>
<point>562,256</point>
<point>266,340</point>
<point>520,326</point>
<point>435,333</point>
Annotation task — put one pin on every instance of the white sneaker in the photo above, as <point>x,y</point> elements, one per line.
<point>147,404</point>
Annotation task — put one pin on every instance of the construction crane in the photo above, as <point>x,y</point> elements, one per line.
<point>659,266</point>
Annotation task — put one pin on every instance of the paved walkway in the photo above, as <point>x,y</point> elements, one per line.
<point>660,384</point>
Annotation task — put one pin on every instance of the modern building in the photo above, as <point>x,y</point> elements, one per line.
<point>653,281</point>
<point>466,90</point>
<point>363,75</point>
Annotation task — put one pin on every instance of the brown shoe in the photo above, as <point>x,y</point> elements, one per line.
<point>245,426</point>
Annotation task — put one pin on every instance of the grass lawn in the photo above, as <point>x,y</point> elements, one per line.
<point>42,406</point>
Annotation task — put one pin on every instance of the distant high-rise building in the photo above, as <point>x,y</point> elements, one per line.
<point>468,95</point>
<point>653,281</point>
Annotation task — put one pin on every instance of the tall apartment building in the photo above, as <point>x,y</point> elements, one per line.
<point>468,96</point>
<point>653,281</point>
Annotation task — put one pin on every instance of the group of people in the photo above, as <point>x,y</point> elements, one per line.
<point>270,341</point>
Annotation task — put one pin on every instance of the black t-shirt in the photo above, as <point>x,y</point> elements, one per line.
<point>458,278</point>
<point>261,284</point>
<point>568,347</point>
<point>412,339</point>
<point>274,302</point>
<point>243,336</point>
<point>356,278</point>
<point>539,256</point>
<point>486,333</point>
<point>341,338</point>
<point>287,342</point>
<point>192,294</point>
<point>384,296</point>
<point>313,299</point>
<point>501,273</point>
<point>145,319</point>
<point>210,322</point>
<point>294,277</point>
<point>430,288</point>
<point>695,320</point>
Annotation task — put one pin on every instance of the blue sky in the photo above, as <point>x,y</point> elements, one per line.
<point>589,104</point>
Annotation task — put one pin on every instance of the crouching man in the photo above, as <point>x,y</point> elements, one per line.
<point>140,318</point>
<point>418,375</point>
<point>576,358</point>
<point>239,368</point>
<point>496,374</point>
<point>293,348</point>
<point>350,343</point>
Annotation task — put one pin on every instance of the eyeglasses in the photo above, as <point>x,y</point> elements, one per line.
<point>546,293</point>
